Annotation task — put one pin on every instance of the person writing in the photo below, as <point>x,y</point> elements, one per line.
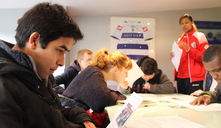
<point>212,63</point>
<point>43,35</point>
<point>90,87</point>
<point>84,56</point>
<point>153,80</point>
<point>191,73</point>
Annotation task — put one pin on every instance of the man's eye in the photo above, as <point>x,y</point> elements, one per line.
<point>217,70</point>
<point>60,51</point>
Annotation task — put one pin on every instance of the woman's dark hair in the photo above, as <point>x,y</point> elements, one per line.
<point>51,21</point>
<point>148,65</point>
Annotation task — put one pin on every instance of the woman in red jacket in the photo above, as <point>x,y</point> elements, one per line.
<point>191,73</point>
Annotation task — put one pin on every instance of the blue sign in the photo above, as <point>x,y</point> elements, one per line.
<point>212,30</point>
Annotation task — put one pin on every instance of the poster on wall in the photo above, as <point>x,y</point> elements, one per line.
<point>135,37</point>
<point>212,30</point>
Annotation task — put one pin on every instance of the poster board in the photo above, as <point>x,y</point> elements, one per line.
<point>133,36</point>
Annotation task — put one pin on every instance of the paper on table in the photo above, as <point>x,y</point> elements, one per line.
<point>163,122</point>
<point>134,74</point>
<point>126,111</point>
<point>184,100</point>
<point>177,52</point>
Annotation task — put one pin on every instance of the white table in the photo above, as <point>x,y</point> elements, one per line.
<point>210,119</point>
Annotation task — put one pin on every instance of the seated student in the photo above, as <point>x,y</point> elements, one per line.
<point>154,80</point>
<point>43,35</point>
<point>83,57</point>
<point>90,88</point>
<point>212,64</point>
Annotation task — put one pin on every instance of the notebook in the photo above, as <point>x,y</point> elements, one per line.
<point>126,111</point>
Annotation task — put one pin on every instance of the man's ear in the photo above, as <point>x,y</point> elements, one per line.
<point>34,40</point>
<point>79,61</point>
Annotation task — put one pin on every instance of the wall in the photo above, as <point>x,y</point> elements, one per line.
<point>8,23</point>
<point>96,30</point>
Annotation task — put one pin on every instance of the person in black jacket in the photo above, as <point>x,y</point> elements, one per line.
<point>27,100</point>
<point>83,58</point>
<point>153,80</point>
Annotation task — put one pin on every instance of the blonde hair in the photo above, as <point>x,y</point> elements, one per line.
<point>105,60</point>
<point>81,53</point>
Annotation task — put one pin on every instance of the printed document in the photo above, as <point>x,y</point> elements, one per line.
<point>126,111</point>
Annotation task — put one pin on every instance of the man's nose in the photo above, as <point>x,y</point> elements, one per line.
<point>60,61</point>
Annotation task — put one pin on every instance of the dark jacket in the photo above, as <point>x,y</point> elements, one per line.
<point>29,102</point>
<point>90,89</point>
<point>65,78</point>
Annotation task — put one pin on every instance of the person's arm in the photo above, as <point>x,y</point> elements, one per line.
<point>204,99</point>
<point>76,115</point>
<point>97,95</point>
<point>164,86</point>
<point>207,97</point>
<point>10,111</point>
<point>58,89</point>
<point>65,78</point>
<point>124,88</point>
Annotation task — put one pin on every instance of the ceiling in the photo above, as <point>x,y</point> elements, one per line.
<point>111,7</point>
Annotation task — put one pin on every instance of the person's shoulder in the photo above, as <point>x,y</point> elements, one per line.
<point>71,68</point>
<point>198,34</point>
<point>92,68</point>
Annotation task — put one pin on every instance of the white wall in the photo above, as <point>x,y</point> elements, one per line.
<point>96,30</point>
<point>8,23</point>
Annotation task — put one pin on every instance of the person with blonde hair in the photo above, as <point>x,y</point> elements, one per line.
<point>83,57</point>
<point>90,87</point>
<point>191,73</point>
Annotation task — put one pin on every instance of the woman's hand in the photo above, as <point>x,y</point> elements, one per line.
<point>184,45</point>
<point>124,85</point>
<point>171,54</point>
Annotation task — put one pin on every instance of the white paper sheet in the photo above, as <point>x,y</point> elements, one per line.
<point>163,122</point>
<point>177,52</point>
<point>134,74</point>
<point>186,99</point>
<point>126,111</point>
